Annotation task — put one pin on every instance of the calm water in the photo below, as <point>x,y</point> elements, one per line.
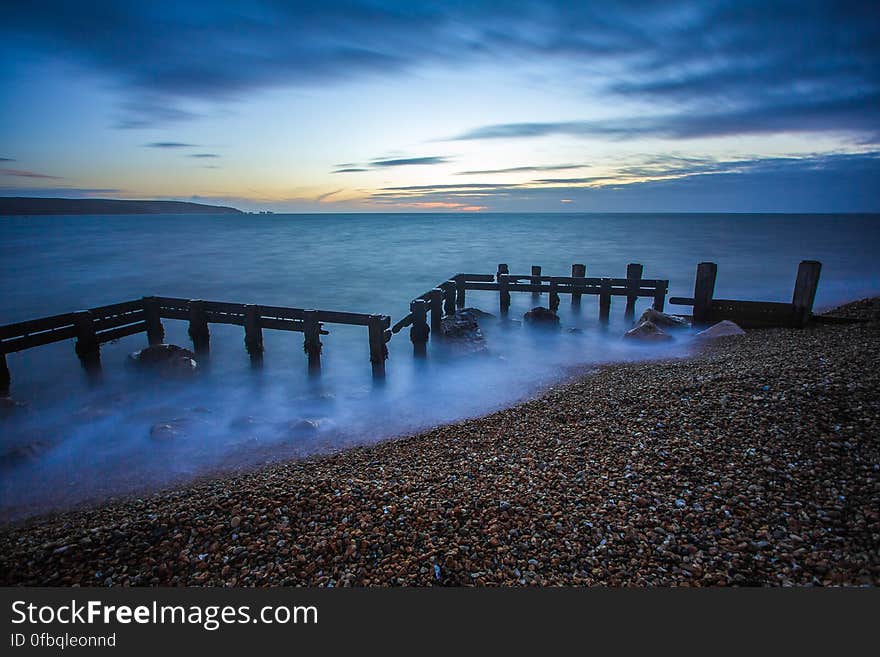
<point>73,443</point>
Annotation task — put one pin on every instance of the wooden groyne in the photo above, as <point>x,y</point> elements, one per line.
<point>96,326</point>
<point>452,294</point>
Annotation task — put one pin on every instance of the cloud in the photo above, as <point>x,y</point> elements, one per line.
<point>204,155</point>
<point>350,170</point>
<point>407,161</point>
<point>522,169</point>
<point>169,144</point>
<point>60,192</point>
<point>6,159</point>
<point>19,173</point>
<point>818,183</point>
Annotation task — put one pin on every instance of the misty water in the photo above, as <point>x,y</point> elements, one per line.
<point>74,443</point>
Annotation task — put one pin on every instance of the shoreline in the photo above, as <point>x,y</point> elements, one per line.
<point>720,468</point>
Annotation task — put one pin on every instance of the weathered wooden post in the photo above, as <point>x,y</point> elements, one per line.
<point>633,283</point>
<point>577,271</point>
<point>449,294</point>
<point>87,346</point>
<point>419,331</point>
<point>805,287</point>
<point>535,279</point>
<point>435,301</point>
<point>155,330</point>
<point>5,377</point>
<point>553,302</point>
<point>459,291</point>
<point>376,326</point>
<point>660,295</point>
<point>503,293</point>
<point>502,269</point>
<point>704,288</point>
<point>604,301</point>
<point>312,339</point>
<point>253,333</point>
<point>198,326</point>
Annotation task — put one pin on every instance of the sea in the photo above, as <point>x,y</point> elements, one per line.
<point>74,442</point>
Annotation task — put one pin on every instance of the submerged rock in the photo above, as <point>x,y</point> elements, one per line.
<point>663,320</point>
<point>166,358</point>
<point>647,332</point>
<point>477,313</point>
<point>540,316</point>
<point>462,330</point>
<point>721,330</point>
<point>170,430</point>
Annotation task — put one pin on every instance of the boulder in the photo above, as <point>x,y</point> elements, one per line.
<point>477,313</point>
<point>647,332</point>
<point>166,358</point>
<point>720,330</point>
<point>540,316</point>
<point>663,320</point>
<point>463,331</point>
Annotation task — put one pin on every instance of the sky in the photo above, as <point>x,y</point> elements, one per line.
<point>370,106</point>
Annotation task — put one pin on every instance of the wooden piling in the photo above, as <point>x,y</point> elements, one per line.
<point>660,296</point>
<point>503,294</point>
<point>805,292</point>
<point>253,332</point>
<point>449,296</point>
<point>312,339</point>
<point>435,302</point>
<point>577,271</point>
<point>704,288</point>
<point>5,377</point>
<point>633,283</point>
<point>155,330</point>
<point>553,301</point>
<point>535,279</point>
<point>459,292</point>
<point>604,301</point>
<point>198,326</point>
<point>502,269</point>
<point>419,331</point>
<point>87,346</point>
<point>378,350</point>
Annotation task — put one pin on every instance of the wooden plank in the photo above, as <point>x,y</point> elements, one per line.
<point>751,314</point>
<point>633,282</point>
<point>503,294</point>
<point>475,278</point>
<point>419,332</point>
<point>37,340</point>
<point>87,346</point>
<point>578,271</point>
<point>121,332</point>
<point>681,301</point>
<point>284,325</point>
<point>282,312</point>
<point>804,295</point>
<point>402,324</point>
<point>198,329</point>
<point>117,308</point>
<point>450,291</point>
<point>704,288</point>
<point>112,321</point>
<point>553,298</point>
<point>335,317</point>
<point>52,323</point>
<point>536,280</point>
<point>253,332</point>
<point>224,318</point>
<point>173,313</point>
<point>460,287</point>
<point>5,377</point>
<point>435,303</point>
<point>660,297</point>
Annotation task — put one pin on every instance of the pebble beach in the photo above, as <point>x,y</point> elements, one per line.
<point>754,462</point>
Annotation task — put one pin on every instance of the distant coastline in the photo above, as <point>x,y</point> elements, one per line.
<point>21,205</point>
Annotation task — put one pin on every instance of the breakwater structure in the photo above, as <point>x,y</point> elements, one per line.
<point>93,327</point>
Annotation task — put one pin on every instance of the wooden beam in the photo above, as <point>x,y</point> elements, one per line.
<point>450,291</point>
<point>503,294</point>
<point>633,282</point>
<point>660,297</point>
<point>553,298</point>
<point>577,271</point>
<point>155,330</point>
<point>460,288</point>
<point>605,301</point>
<point>419,331</point>
<point>199,332</point>
<point>704,288</point>
<point>435,303</point>
<point>804,295</point>
<point>536,279</point>
<point>87,346</point>
<point>312,339</point>
<point>378,350</point>
<point>253,333</point>
<point>5,377</point>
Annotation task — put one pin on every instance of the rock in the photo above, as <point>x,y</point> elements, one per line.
<point>22,453</point>
<point>477,313</point>
<point>7,404</point>
<point>166,358</point>
<point>647,332</point>
<point>540,316</point>
<point>170,430</point>
<point>720,330</point>
<point>574,330</point>
<point>304,426</point>
<point>662,320</point>
<point>463,331</point>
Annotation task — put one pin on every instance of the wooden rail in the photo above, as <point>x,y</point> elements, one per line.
<point>752,314</point>
<point>451,294</point>
<point>91,328</point>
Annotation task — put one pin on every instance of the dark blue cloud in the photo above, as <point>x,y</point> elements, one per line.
<point>716,66</point>
<point>522,169</point>
<point>21,173</point>
<point>350,170</point>
<point>821,183</point>
<point>204,155</point>
<point>169,144</point>
<point>407,161</point>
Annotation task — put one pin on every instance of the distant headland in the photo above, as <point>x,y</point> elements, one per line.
<point>20,205</point>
